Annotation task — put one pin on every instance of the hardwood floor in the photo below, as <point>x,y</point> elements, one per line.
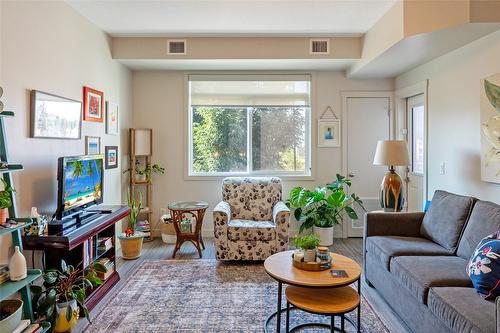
<point>157,250</point>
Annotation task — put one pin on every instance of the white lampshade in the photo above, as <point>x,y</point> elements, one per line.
<point>142,142</point>
<point>391,152</point>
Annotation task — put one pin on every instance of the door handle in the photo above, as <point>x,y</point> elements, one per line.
<point>351,174</point>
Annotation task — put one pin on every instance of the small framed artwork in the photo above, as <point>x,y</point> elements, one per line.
<point>93,105</point>
<point>111,156</point>
<point>92,145</point>
<point>111,118</point>
<point>55,117</point>
<point>329,133</point>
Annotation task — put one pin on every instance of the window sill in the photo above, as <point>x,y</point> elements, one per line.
<point>221,177</point>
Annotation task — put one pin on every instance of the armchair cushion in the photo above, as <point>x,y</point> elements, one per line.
<point>246,230</point>
<point>252,198</point>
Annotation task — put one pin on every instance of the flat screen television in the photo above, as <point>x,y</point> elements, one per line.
<point>80,183</point>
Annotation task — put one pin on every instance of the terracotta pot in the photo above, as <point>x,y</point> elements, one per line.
<point>4,212</point>
<point>131,246</point>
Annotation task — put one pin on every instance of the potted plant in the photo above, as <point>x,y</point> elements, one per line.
<point>143,173</point>
<point>5,201</point>
<point>324,207</point>
<point>131,240</point>
<point>61,298</point>
<point>308,244</point>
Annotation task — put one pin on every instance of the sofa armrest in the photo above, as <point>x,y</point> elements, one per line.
<point>498,314</point>
<point>393,224</point>
<point>223,209</point>
<point>281,219</point>
<point>221,217</point>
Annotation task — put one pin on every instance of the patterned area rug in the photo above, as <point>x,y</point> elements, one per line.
<point>204,296</point>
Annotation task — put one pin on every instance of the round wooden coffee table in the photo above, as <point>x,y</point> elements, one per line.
<point>280,267</point>
<point>179,211</point>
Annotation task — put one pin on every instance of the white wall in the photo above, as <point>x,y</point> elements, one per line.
<point>454,123</point>
<point>50,47</point>
<point>159,103</point>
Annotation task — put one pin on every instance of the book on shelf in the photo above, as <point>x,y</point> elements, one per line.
<point>105,243</point>
<point>104,267</point>
<point>32,328</point>
<point>22,325</point>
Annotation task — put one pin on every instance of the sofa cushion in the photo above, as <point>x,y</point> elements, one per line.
<point>462,309</point>
<point>484,220</point>
<point>484,267</point>
<point>418,274</point>
<point>247,230</point>
<point>444,221</point>
<point>387,247</point>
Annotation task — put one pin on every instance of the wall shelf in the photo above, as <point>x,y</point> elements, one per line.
<point>10,287</point>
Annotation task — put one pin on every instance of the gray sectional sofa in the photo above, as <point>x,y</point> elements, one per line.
<point>417,263</point>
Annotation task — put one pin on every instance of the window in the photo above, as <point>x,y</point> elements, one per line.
<point>249,124</point>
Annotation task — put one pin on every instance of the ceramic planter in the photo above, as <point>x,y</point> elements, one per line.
<point>309,255</point>
<point>14,309</point>
<point>3,215</point>
<point>131,246</point>
<point>325,235</point>
<point>140,178</point>
<point>62,325</point>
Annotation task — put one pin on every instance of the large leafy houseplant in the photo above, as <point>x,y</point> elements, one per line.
<point>324,206</point>
<point>62,286</point>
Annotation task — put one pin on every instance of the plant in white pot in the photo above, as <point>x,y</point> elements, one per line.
<point>131,239</point>
<point>308,245</point>
<point>5,201</point>
<point>324,207</point>
<point>61,298</point>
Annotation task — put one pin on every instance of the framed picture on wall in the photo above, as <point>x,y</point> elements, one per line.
<point>111,157</point>
<point>93,105</point>
<point>55,117</point>
<point>111,118</point>
<point>92,145</point>
<point>328,133</point>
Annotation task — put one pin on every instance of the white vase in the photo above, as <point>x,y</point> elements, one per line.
<point>325,235</point>
<point>17,266</point>
<point>309,255</point>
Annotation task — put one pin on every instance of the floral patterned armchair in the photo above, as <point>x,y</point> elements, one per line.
<point>251,222</point>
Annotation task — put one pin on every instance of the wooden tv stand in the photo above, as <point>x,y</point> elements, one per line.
<point>70,248</point>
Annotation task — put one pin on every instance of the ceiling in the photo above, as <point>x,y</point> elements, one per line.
<point>189,18</point>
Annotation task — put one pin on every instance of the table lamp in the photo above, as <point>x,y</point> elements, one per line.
<point>391,153</point>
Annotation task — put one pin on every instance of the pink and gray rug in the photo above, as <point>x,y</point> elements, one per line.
<point>203,296</point>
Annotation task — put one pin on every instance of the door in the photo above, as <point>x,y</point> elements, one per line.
<point>415,117</point>
<point>368,120</point>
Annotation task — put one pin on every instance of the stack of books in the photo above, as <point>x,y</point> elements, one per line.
<point>104,267</point>
<point>145,228</point>
<point>25,327</point>
<point>4,273</point>
<point>105,243</point>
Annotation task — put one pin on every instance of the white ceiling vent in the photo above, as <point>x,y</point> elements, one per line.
<point>320,46</point>
<point>176,46</point>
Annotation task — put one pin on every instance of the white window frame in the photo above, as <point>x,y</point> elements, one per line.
<point>306,174</point>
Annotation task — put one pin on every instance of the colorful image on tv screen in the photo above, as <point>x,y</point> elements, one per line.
<point>82,182</point>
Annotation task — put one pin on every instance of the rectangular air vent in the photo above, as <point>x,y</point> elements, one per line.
<point>176,46</point>
<point>320,46</point>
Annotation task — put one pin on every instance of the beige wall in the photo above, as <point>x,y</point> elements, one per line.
<point>48,46</point>
<point>159,103</point>
<point>454,123</point>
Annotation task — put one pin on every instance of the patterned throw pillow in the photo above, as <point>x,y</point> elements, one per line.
<point>484,267</point>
